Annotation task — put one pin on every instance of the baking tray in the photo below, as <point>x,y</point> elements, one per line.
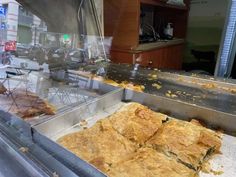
<point>201,90</point>
<point>48,132</point>
<point>22,157</point>
<point>63,92</point>
<point>92,91</point>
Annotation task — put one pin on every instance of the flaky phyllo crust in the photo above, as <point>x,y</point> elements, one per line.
<point>136,141</point>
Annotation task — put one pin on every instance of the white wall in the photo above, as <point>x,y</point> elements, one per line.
<point>206,21</point>
<point>11,19</point>
<point>7,1</point>
<point>207,8</point>
<point>205,26</point>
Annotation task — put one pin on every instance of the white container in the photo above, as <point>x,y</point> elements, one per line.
<point>169,30</point>
<point>176,2</point>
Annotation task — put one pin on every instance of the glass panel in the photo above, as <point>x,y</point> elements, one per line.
<point>66,64</point>
<point>38,56</point>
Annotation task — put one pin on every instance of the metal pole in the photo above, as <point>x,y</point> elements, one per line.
<point>98,25</point>
<point>35,34</point>
<point>227,49</point>
<point>81,23</point>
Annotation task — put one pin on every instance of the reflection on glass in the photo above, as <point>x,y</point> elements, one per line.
<point>35,71</point>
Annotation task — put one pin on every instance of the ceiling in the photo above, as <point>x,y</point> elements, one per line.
<point>59,15</point>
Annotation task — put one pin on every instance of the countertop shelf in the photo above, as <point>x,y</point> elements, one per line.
<point>124,28</point>
<point>158,44</point>
<point>164,4</point>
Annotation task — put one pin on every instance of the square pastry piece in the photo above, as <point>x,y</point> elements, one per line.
<point>150,163</point>
<point>99,145</point>
<point>189,143</point>
<point>136,122</point>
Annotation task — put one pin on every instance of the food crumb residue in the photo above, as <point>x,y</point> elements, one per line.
<point>55,174</point>
<point>83,123</point>
<point>24,149</point>
<point>171,95</point>
<point>125,84</point>
<point>152,76</point>
<point>209,86</point>
<point>233,91</point>
<point>157,86</point>
<point>206,168</point>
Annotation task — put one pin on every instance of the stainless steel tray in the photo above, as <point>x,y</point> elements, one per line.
<point>215,93</point>
<point>69,122</point>
<point>66,95</point>
<point>187,111</point>
<point>21,156</point>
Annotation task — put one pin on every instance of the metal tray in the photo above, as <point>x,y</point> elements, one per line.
<point>190,88</point>
<point>22,157</point>
<point>180,109</point>
<point>69,122</point>
<point>64,93</point>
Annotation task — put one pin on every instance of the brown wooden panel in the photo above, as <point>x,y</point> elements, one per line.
<point>121,20</point>
<point>121,57</point>
<point>162,3</point>
<point>173,57</point>
<point>164,58</point>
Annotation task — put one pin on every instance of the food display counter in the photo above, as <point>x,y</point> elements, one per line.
<point>177,95</point>
<point>70,122</point>
<point>58,91</point>
<point>200,90</point>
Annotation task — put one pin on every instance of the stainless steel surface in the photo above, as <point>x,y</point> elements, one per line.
<point>69,122</point>
<point>182,110</point>
<point>158,44</point>
<point>199,81</point>
<point>62,90</point>
<point>24,156</point>
<point>13,164</point>
<point>217,110</point>
<point>205,91</point>
<point>94,90</point>
<point>72,118</point>
<point>65,90</point>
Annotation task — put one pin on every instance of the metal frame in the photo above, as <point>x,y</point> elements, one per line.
<point>48,132</point>
<point>21,142</point>
<point>173,108</point>
<point>81,20</point>
<point>185,111</point>
<point>50,153</point>
<point>16,136</point>
<point>227,49</point>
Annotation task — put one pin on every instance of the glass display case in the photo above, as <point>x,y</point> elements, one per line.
<point>64,89</point>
